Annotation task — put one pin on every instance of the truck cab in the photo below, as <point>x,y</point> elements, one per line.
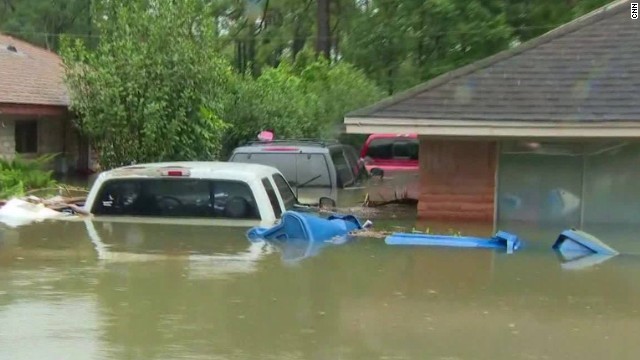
<point>214,193</point>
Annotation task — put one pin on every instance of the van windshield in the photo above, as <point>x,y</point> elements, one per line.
<point>309,170</point>
<point>178,197</point>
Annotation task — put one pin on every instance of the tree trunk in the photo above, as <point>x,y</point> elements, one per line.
<point>299,38</point>
<point>323,42</point>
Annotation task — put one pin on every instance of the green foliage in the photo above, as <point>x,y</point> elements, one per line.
<point>40,21</point>
<point>155,87</point>
<point>19,175</point>
<point>298,100</point>
<point>152,80</point>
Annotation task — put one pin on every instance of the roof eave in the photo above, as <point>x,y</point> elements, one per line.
<point>495,129</point>
<point>483,63</point>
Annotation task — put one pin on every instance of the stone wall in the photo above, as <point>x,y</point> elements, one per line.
<point>457,180</point>
<point>7,142</point>
<point>55,135</point>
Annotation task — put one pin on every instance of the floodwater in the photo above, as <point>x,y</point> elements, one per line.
<point>132,291</point>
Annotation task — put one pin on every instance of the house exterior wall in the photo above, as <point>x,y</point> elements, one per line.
<point>55,135</point>
<point>7,141</point>
<point>457,180</point>
<point>590,185</point>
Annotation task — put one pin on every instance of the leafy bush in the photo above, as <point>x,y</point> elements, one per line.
<point>308,98</point>
<point>17,176</point>
<point>155,86</point>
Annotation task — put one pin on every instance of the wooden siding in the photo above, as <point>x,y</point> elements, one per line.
<point>457,180</point>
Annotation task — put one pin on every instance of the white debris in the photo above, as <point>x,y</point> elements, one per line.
<point>18,212</point>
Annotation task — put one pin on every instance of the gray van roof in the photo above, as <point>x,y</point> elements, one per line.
<point>287,147</point>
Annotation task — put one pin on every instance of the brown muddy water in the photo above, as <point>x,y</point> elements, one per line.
<point>133,291</point>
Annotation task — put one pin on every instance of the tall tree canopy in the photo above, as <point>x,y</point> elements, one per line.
<point>190,79</point>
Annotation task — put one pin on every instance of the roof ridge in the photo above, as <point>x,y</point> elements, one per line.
<point>28,45</point>
<point>578,23</point>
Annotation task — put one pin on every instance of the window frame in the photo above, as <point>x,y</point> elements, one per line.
<point>211,183</point>
<point>339,152</point>
<point>289,190</point>
<point>273,197</point>
<point>24,127</point>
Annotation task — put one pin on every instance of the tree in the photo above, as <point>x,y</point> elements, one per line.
<point>307,98</point>
<point>155,86</point>
<point>40,21</point>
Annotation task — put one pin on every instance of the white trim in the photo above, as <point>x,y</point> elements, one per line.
<point>496,186</point>
<point>481,128</point>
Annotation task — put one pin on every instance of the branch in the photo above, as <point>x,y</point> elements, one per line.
<point>8,4</point>
<point>264,16</point>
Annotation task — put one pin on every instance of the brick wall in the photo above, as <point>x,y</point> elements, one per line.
<point>457,180</point>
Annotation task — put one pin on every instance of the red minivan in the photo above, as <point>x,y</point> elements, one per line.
<point>391,152</point>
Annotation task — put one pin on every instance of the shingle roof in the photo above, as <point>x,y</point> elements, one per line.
<point>30,75</point>
<point>586,70</point>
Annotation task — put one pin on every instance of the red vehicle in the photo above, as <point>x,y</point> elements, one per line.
<point>391,152</point>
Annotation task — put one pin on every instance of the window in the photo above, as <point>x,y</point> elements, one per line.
<point>176,198</point>
<point>309,169</point>
<point>273,197</point>
<point>26,136</point>
<point>343,170</point>
<point>393,148</point>
<point>288,197</point>
<point>352,157</point>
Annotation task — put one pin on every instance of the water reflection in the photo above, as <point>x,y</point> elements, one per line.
<point>360,301</point>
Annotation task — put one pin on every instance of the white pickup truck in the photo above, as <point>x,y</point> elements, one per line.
<point>212,193</point>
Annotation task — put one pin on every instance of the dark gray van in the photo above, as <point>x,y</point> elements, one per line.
<point>314,168</point>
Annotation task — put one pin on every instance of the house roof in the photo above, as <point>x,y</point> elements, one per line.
<point>585,73</point>
<point>30,74</point>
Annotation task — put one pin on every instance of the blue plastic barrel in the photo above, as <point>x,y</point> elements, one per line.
<point>306,226</point>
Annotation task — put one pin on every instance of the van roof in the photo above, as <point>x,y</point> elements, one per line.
<point>285,147</point>
<point>197,169</point>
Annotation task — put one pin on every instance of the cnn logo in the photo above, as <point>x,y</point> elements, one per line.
<point>634,11</point>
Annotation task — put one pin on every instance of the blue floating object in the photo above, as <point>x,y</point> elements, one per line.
<point>308,227</point>
<point>573,244</point>
<point>501,240</point>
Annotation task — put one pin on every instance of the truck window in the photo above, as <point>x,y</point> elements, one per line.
<point>273,197</point>
<point>297,168</point>
<point>179,197</point>
<point>393,148</point>
<point>288,197</point>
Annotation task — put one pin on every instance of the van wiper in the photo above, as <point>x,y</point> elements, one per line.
<point>309,181</point>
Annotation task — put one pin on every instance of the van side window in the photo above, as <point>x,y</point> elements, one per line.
<point>343,170</point>
<point>288,197</point>
<point>273,198</point>
<point>179,197</point>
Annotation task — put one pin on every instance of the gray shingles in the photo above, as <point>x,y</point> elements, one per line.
<point>589,70</point>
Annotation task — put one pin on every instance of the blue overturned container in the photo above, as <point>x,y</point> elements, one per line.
<point>574,243</point>
<point>307,227</point>
<point>580,250</point>
<point>501,240</point>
